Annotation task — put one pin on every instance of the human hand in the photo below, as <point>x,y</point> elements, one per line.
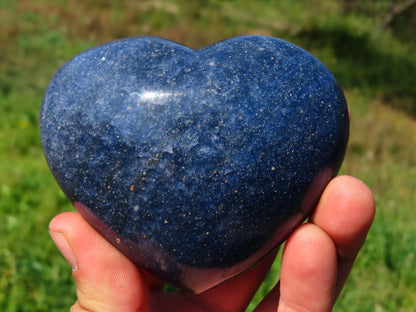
<point>317,259</point>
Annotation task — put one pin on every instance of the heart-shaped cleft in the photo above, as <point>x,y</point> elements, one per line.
<point>196,164</point>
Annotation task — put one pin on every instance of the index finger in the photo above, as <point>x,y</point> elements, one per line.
<point>348,220</point>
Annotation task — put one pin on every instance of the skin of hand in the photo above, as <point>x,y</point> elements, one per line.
<point>317,259</point>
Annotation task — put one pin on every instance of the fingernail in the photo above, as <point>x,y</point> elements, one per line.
<point>66,250</point>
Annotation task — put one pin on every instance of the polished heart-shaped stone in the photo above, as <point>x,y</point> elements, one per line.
<point>196,164</point>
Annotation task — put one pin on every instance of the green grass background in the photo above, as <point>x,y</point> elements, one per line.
<point>375,65</point>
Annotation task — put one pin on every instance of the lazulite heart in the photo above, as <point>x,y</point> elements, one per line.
<point>195,164</point>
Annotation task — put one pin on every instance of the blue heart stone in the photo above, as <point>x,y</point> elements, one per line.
<point>196,164</point>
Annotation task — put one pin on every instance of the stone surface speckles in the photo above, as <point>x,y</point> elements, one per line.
<point>196,164</point>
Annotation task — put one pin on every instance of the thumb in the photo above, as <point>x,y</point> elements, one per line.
<point>106,280</point>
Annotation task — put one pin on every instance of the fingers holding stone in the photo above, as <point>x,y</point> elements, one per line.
<point>105,279</point>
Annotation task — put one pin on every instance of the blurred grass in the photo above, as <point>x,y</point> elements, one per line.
<point>375,67</point>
